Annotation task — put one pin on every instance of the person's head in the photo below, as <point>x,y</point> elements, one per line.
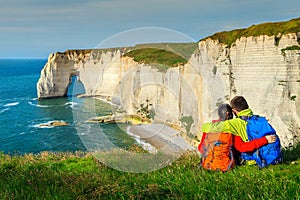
<point>225,112</point>
<point>238,103</point>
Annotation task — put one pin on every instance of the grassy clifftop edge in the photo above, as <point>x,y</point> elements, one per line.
<point>81,176</point>
<point>166,55</point>
<point>276,29</point>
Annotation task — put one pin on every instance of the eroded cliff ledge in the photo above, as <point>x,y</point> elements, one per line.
<point>265,71</point>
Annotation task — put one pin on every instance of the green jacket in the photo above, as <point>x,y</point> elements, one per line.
<point>235,126</point>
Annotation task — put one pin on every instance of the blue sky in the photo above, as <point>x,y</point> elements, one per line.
<point>36,28</point>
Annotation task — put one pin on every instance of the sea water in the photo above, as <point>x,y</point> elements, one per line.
<point>25,121</point>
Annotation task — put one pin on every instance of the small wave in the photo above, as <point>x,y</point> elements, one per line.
<point>42,125</point>
<point>71,104</point>
<point>41,106</point>
<point>113,102</point>
<point>11,104</point>
<point>81,134</point>
<point>146,146</point>
<point>5,109</point>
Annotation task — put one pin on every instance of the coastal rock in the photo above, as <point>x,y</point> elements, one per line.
<point>59,123</point>
<point>54,124</point>
<point>120,118</point>
<point>187,96</point>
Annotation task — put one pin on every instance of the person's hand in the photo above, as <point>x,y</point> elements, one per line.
<point>271,138</point>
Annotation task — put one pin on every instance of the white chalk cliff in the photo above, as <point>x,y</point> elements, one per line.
<point>187,95</point>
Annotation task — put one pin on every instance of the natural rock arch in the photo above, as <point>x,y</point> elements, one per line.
<point>55,76</point>
<point>75,87</point>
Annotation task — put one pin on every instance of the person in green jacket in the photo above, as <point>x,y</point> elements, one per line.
<point>235,126</point>
<point>238,127</point>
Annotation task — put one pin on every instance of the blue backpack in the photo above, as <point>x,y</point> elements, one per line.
<point>258,127</point>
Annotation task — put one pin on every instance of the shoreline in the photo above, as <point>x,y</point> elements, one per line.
<point>146,146</point>
<point>114,101</point>
<point>161,136</point>
<point>153,137</point>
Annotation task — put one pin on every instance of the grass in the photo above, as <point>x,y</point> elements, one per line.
<point>294,47</point>
<point>162,55</point>
<point>166,55</point>
<point>184,50</point>
<point>158,58</point>
<point>81,176</point>
<point>271,29</point>
<point>159,55</point>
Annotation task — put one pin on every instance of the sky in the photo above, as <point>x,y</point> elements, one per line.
<point>37,28</point>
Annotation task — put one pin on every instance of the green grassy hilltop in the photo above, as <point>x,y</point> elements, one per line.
<point>271,29</point>
<point>81,176</point>
<point>165,55</point>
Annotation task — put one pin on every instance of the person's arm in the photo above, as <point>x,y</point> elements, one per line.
<point>200,146</point>
<point>242,146</point>
<point>234,126</point>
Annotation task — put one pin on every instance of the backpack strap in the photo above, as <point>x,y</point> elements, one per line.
<point>245,118</point>
<point>231,159</point>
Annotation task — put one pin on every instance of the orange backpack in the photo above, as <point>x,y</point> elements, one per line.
<point>216,150</point>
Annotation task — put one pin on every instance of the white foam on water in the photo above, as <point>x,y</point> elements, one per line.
<point>106,101</point>
<point>11,104</point>
<point>46,124</point>
<point>71,104</point>
<point>43,125</point>
<point>36,105</point>
<point>81,133</point>
<point>146,146</point>
<point>3,110</point>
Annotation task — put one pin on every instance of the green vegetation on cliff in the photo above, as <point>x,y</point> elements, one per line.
<point>81,176</point>
<point>166,55</point>
<point>159,58</point>
<point>271,29</point>
<point>294,47</point>
<point>184,50</point>
<point>159,55</point>
<point>162,55</point>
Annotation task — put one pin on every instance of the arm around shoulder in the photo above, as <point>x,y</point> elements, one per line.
<point>242,146</point>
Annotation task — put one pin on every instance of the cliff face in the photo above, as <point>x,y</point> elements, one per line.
<point>188,95</point>
<point>169,97</point>
<point>87,66</point>
<point>264,73</point>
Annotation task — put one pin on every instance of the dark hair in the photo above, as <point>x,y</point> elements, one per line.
<point>225,112</point>
<point>239,103</point>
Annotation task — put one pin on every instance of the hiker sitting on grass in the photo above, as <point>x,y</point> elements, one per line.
<point>217,148</point>
<point>249,127</point>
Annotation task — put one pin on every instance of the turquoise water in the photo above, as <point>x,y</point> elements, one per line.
<point>21,116</point>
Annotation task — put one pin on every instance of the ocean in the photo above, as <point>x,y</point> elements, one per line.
<point>25,121</point>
